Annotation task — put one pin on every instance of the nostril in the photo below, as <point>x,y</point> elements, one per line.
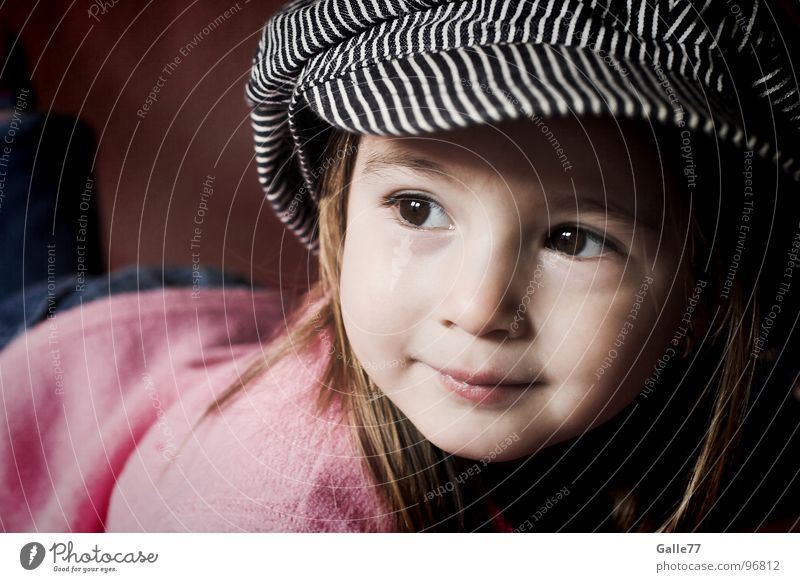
<point>515,330</point>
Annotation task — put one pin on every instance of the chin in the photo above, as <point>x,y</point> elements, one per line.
<point>484,447</point>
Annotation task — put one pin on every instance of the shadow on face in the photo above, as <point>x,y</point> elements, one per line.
<point>539,265</point>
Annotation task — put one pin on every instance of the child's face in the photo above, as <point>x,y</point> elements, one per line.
<point>494,235</point>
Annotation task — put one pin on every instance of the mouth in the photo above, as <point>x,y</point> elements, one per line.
<point>483,389</point>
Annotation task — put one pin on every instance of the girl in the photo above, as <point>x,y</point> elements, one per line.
<point>554,290</point>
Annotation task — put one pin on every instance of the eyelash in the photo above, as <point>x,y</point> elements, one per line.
<point>393,200</point>
<point>609,244</point>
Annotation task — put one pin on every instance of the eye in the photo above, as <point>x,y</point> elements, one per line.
<point>578,242</point>
<point>419,211</point>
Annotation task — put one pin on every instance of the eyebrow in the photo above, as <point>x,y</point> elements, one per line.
<point>379,161</point>
<point>615,211</point>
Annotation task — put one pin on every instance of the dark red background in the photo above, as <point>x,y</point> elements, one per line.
<point>150,171</point>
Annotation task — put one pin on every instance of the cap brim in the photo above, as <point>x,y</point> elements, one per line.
<point>430,92</point>
<point>440,91</point>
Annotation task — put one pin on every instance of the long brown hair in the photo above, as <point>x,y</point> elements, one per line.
<point>405,467</point>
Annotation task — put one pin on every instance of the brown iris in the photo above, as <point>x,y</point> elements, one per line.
<point>569,240</point>
<point>414,211</point>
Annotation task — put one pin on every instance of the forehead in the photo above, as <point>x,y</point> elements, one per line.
<point>587,161</point>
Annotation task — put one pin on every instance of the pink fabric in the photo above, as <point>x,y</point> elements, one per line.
<point>97,400</point>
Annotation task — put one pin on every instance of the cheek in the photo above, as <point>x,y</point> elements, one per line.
<point>593,368</point>
<point>386,282</point>
<point>366,271</point>
<point>590,318</point>
<point>376,308</point>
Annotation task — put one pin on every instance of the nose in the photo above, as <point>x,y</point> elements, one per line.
<point>488,291</point>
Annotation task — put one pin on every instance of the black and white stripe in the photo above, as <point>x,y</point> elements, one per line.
<point>401,67</point>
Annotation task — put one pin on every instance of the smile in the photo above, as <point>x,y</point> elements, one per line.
<point>495,394</point>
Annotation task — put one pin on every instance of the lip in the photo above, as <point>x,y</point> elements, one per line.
<point>486,378</point>
<point>485,388</point>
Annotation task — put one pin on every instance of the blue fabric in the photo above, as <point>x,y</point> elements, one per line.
<point>36,302</point>
<point>48,218</point>
<point>49,249</point>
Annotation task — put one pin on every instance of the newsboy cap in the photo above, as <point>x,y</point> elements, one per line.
<point>406,67</point>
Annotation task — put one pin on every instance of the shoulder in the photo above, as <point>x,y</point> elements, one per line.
<point>151,314</point>
<point>110,345</point>
<point>266,462</point>
<point>103,374</point>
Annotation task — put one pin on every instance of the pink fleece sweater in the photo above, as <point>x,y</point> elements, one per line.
<point>97,401</point>
<point>99,410</point>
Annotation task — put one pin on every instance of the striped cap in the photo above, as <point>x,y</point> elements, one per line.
<point>405,67</point>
